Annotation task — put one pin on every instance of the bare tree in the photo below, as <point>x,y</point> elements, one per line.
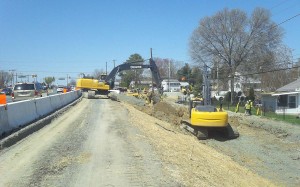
<point>235,39</point>
<point>5,78</point>
<point>278,69</point>
<point>167,65</point>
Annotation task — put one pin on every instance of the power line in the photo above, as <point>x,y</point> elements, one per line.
<point>267,71</point>
<point>286,20</point>
<point>278,4</point>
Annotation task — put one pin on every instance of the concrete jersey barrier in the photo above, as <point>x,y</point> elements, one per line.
<point>18,114</point>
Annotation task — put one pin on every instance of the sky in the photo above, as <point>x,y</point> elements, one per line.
<point>63,38</point>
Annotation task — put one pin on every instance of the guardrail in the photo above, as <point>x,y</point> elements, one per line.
<point>18,114</point>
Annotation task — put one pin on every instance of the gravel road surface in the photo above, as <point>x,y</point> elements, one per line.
<point>92,144</point>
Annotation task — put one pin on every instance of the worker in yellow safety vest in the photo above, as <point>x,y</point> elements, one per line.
<point>251,105</point>
<point>247,108</point>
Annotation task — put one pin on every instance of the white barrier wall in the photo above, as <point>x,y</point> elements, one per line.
<point>43,106</point>
<point>55,101</point>
<point>4,126</point>
<point>17,114</point>
<point>21,113</point>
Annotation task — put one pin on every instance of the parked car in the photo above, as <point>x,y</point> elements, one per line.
<point>23,91</point>
<point>6,91</point>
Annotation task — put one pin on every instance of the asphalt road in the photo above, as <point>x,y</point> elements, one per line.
<point>92,144</point>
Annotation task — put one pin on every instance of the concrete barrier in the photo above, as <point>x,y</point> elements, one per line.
<point>4,127</point>
<point>55,102</point>
<point>18,114</point>
<point>43,106</point>
<point>21,113</point>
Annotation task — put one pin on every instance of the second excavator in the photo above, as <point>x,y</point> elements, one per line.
<point>205,118</point>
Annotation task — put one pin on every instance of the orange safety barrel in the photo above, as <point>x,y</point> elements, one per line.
<point>2,99</point>
<point>65,90</point>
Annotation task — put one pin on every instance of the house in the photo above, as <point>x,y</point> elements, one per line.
<point>285,100</point>
<point>242,83</point>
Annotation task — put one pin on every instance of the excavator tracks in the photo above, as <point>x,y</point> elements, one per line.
<point>202,133</point>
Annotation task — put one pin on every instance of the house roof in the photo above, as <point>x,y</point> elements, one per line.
<point>284,93</point>
<point>293,86</point>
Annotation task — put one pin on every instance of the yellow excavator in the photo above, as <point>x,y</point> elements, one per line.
<point>107,82</point>
<point>93,86</point>
<point>204,117</point>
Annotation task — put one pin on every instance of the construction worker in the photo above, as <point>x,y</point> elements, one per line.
<point>247,108</point>
<point>237,108</point>
<point>250,105</point>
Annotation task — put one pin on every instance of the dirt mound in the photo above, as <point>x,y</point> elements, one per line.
<point>166,112</point>
<point>163,110</point>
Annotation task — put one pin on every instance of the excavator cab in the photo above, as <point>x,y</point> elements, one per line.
<point>103,77</point>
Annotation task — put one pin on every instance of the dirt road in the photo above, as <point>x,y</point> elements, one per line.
<point>100,142</point>
<point>92,144</point>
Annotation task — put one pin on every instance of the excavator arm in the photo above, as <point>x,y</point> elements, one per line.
<point>110,79</point>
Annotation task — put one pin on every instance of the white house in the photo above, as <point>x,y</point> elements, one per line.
<point>240,82</point>
<point>288,98</point>
<point>170,85</point>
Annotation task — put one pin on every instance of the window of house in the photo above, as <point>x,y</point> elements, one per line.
<point>292,101</point>
<point>282,101</point>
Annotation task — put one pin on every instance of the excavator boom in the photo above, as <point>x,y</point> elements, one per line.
<point>110,79</point>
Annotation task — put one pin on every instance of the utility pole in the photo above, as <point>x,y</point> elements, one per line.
<point>151,73</point>
<point>218,62</point>
<point>206,89</point>
<point>106,67</point>
<point>114,63</point>
<point>169,76</point>
<point>260,70</point>
<point>218,78</point>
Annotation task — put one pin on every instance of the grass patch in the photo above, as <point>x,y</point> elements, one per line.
<point>292,119</point>
<point>282,117</point>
